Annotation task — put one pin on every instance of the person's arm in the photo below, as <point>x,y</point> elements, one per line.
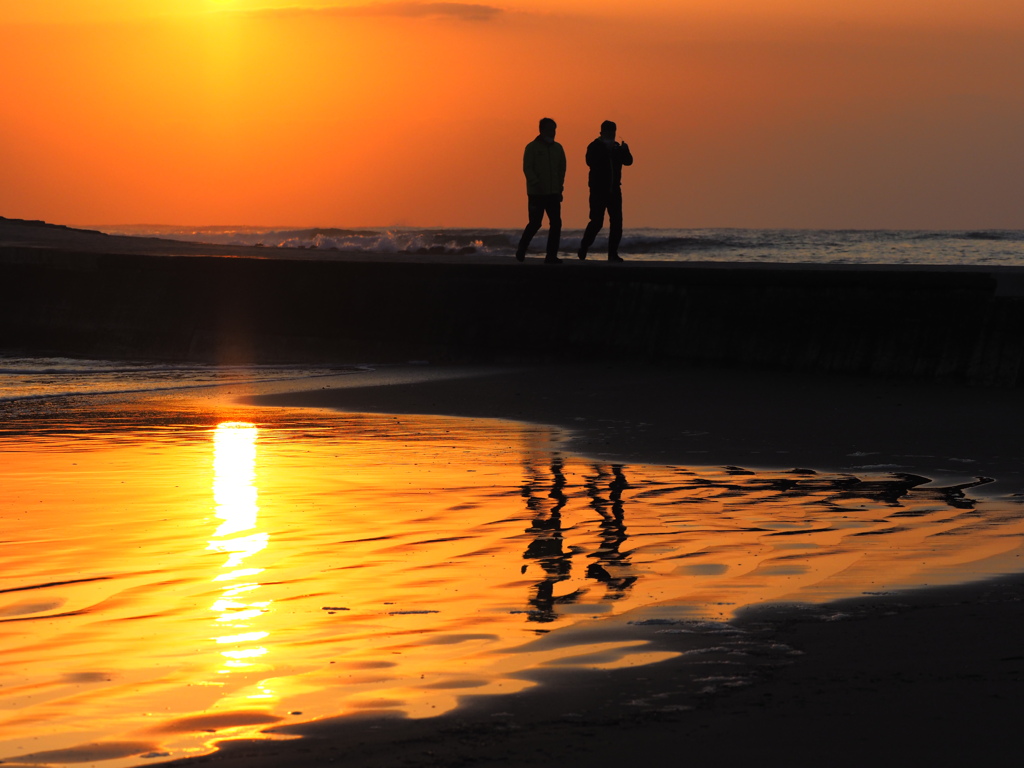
<point>561,169</point>
<point>624,154</point>
<point>530,166</point>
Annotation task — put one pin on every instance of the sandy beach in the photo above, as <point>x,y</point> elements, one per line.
<point>930,675</point>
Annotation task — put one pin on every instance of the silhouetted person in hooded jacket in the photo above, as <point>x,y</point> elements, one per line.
<point>544,167</point>
<point>605,157</point>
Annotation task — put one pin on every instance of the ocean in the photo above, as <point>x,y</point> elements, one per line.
<point>782,246</point>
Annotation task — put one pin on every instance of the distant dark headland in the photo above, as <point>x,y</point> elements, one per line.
<point>75,292</point>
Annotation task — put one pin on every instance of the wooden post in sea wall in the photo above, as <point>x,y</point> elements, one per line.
<point>961,324</point>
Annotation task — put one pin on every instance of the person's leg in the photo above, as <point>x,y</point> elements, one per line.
<point>536,212</point>
<point>614,225</point>
<point>597,206</point>
<point>554,211</point>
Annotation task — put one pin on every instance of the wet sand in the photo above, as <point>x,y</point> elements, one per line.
<point>933,675</point>
<point>714,416</point>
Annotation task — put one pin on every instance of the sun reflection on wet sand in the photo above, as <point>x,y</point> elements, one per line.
<point>239,608</point>
<point>165,588</point>
<point>234,491</point>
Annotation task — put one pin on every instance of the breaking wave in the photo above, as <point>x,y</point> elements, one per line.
<point>970,247</point>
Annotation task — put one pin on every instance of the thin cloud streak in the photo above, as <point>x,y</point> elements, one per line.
<point>411,10</point>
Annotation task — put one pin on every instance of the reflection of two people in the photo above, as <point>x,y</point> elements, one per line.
<point>546,498</point>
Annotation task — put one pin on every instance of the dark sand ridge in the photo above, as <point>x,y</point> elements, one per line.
<point>931,676</point>
<point>87,294</point>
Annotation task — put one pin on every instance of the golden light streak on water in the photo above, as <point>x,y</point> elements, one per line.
<point>234,477</point>
<point>237,498</point>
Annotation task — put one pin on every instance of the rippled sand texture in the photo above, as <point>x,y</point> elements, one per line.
<point>167,586</point>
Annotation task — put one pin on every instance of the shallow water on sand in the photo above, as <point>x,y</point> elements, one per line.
<point>175,579</point>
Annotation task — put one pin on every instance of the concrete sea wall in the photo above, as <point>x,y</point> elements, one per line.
<point>959,323</point>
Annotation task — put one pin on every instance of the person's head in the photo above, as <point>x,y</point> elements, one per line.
<point>608,130</point>
<point>547,128</point>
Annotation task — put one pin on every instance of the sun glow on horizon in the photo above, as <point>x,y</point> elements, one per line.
<point>362,113</point>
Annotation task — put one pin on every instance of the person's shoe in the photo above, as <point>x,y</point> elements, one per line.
<point>520,256</point>
<point>582,254</point>
<point>614,257</point>
<point>552,260</point>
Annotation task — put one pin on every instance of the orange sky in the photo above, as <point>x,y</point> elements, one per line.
<point>749,113</point>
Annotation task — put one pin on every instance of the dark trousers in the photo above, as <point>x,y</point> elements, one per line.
<point>538,205</point>
<point>599,203</point>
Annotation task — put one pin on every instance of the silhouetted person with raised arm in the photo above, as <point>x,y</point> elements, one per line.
<point>605,157</point>
<point>613,533</point>
<point>544,167</point>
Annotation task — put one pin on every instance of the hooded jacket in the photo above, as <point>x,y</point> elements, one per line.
<point>544,166</point>
<point>606,161</point>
